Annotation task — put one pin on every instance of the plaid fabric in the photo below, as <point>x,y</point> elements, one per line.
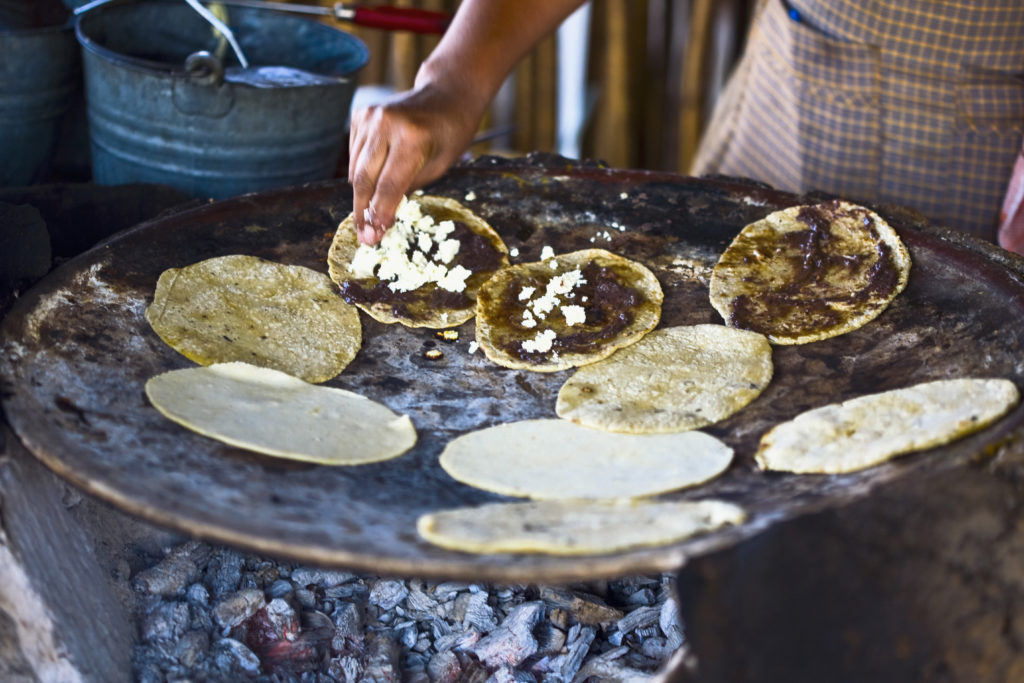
<point>915,102</point>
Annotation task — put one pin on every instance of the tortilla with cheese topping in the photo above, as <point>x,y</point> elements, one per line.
<point>565,311</point>
<point>427,268</point>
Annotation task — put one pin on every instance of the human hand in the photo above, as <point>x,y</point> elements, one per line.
<point>404,143</point>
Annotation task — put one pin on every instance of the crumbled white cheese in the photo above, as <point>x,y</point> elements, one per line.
<point>544,305</point>
<point>402,259</point>
<point>526,292</point>
<point>528,319</point>
<point>423,242</point>
<point>546,252</point>
<point>447,250</point>
<point>364,261</point>
<point>574,315</point>
<point>443,229</point>
<point>470,196</point>
<point>455,279</point>
<point>623,195</point>
<point>473,346</point>
<point>513,252</point>
<point>541,343</point>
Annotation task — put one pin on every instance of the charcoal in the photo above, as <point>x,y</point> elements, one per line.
<point>381,664</point>
<point>463,640</point>
<point>644,597</point>
<point>580,639</point>
<point>509,675</point>
<point>449,589</point>
<point>232,653</point>
<point>670,623</point>
<point>609,667</point>
<point>472,610</point>
<point>656,648</point>
<point>224,573</point>
<point>305,597</point>
<point>192,647</point>
<point>407,636</point>
<point>422,605</point>
<point>170,577</point>
<point>196,594</point>
<point>281,588</point>
<point>238,607</point>
<point>345,669</point>
<point>167,621</point>
<point>305,576</point>
<point>513,641</point>
<point>387,593</point>
<point>348,620</point>
<point>384,629</point>
<point>638,618</point>
<point>550,638</point>
<point>583,607</point>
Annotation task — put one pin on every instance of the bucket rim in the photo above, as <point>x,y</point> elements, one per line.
<point>68,26</point>
<point>89,44</point>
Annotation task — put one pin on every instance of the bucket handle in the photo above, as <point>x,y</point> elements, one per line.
<point>203,91</point>
<point>204,69</point>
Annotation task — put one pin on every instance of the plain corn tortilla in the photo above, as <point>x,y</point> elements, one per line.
<point>273,413</point>
<point>871,429</point>
<point>674,379</point>
<point>247,309</point>
<point>574,527</point>
<point>547,459</point>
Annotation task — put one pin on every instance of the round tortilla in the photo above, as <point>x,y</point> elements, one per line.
<point>244,308</point>
<point>276,414</point>
<point>574,527</point>
<point>672,380</point>
<point>481,250</point>
<point>808,273</point>
<point>871,429</point>
<point>621,299</point>
<point>549,459</point>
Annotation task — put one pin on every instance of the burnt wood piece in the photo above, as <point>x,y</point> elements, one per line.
<point>77,351</point>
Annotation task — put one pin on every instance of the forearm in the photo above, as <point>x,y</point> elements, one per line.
<point>485,41</point>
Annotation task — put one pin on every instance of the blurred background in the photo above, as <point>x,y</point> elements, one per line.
<point>629,82</point>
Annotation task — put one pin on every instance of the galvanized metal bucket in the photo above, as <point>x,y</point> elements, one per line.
<point>168,104</point>
<point>39,72</point>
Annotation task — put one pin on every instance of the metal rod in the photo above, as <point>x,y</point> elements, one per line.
<point>222,27</point>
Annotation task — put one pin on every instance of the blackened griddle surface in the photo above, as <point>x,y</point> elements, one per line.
<point>77,351</point>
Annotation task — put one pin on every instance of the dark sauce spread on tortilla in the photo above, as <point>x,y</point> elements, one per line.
<point>476,253</point>
<point>610,303</point>
<point>813,279</point>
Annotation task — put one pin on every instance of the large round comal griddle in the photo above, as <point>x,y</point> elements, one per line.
<point>77,352</point>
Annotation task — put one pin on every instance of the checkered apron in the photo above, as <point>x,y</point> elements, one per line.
<point>914,102</point>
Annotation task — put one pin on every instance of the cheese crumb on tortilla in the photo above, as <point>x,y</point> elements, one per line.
<point>541,343</point>
<point>574,315</point>
<point>416,231</point>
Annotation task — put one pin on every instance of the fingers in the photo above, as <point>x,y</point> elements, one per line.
<point>386,153</point>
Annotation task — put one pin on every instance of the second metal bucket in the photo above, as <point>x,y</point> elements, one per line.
<point>166,103</point>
